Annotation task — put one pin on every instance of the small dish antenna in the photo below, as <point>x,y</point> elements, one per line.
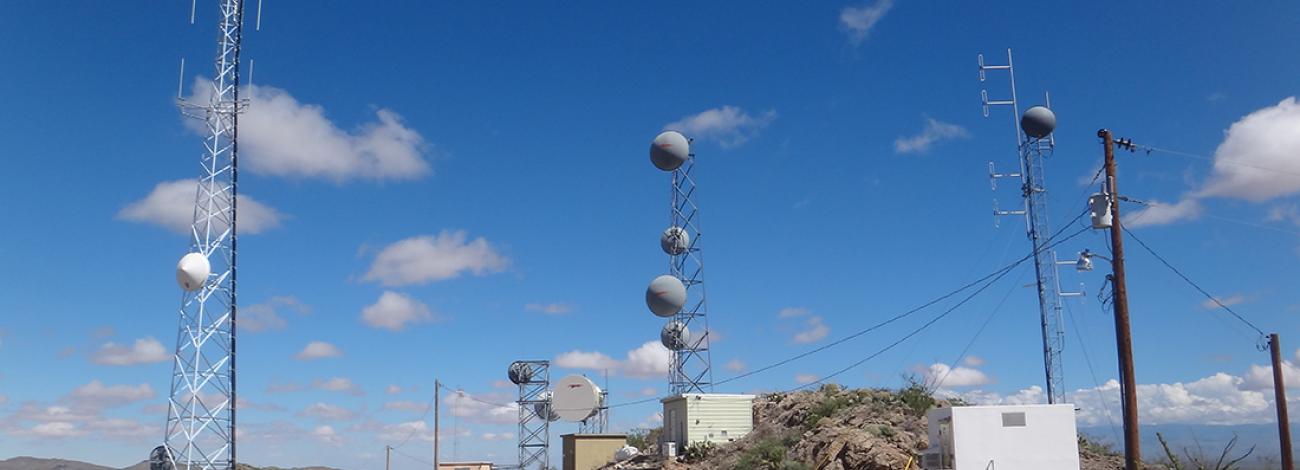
<point>544,409</point>
<point>1038,122</point>
<point>674,241</point>
<point>520,373</point>
<point>670,150</point>
<point>666,296</point>
<point>675,336</point>
<point>575,398</point>
<point>192,271</point>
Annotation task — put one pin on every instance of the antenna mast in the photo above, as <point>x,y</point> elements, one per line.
<point>534,380</point>
<point>200,430</point>
<point>1032,149</point>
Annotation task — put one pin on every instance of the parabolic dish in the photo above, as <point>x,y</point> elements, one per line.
<point>675,336</point>
<point>192,271</point>
<point>665,296</point>
<point>1038,122</point>
<point>674,240</point>
<point>520,373</point>
<point>543,409</point>
<point>576,398</point>
<point>669,150</point>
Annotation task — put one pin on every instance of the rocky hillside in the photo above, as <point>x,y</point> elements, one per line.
<point>833,429</point>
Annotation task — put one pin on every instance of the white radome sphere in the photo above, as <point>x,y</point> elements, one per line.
<point>192,271</point>
<point>665,296</point>
<point>674,240</point>
<point>1038,122</point>
<point>675,336</point>
<point>669,150</point>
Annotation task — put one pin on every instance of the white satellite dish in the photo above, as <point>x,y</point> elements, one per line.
<point>674,241</point>
<point>675,336</point>
<point>666,296</point>
<point>192,271</point>
<point>669,150</point>
<point>544,409</point>
<point>576,398</point>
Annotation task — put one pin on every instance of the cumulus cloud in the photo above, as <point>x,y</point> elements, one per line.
<point>858,21</point>
<point>943,375</point>
<point>171,206</point>
<point>736,365</point>
<point>504,436</point>
<point>327,411</point>
<point>729,126</point>
<point>973,361</point>
<point>318,350</point>
<point>1156,213</point>
<point>338,384</point>
<point>266,316</point>
<point>327,435</point>
<point>393,389</point>
<point>935,131</point>
<point>649,360</point>
<point>424,259</point>
<point>408,406</point>
<point>804,379</point>
<point>143,351</point>
<point>279,136</point>
<point>816,330</point>
<point>495,409</point>
<point>791,312</point>
<point>551,309</point>
<point>393,311</point>
<point>98,395</point>
<point>1235,299</point>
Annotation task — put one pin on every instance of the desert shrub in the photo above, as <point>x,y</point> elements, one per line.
<point>916,396</point>
<point>644,439</point>
<point>827,407</point>
<point>698,451</point>
<point>767,454</point>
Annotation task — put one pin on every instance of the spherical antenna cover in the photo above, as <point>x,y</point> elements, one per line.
<point>192,271</point>
<point>520,373</point>
<point>576,398</point>
<point>1038,122</point>
<point>670,150</point>
<point>675,336</point>
<point>674,240</point>
<point>666,296</point>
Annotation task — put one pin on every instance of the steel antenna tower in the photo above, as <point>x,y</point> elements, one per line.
<point>1032,150</point>
<point>200,430</point>
<point>691,369</point>
<point>534,380</point>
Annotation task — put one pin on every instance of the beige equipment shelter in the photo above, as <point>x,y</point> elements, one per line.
<point>591,451</point>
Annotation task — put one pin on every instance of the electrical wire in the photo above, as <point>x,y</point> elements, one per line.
<point>1087,358</point>
<point>412,457</point>
<point>1149,149</point>
<point>424,415</point>
<point>935,386</point>
<point>1192,283</point>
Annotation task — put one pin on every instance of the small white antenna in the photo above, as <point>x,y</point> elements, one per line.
<point>180,81</point>
<point>251,62</point>
<point>192,7</point>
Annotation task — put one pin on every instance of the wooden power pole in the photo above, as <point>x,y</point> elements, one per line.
<point>1123,336</point>
<point>437,388</point>
<point>1279,397</point>
<point>388,457</point>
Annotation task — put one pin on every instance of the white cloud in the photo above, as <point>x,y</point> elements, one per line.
<point>318,350</point>
<point>736,365</point>
<point>495,409</point>
<point>409,406</point>
<point>803,379</point>
<point>1257,159</point>
<point>1235,299</point>
<point>1160,213</point>
<point>973,361</point>
<point>425,259</point>
<point>338,384</point>
<point>729,126</point>
<point>393,311</point>
<point>320,410</point>
<point>505,436</point>
<point>393,390</point>
<point>552,309</point>
<point>171,206</point>
<point>815,332</point>
<point>791,312</point>
<point>280,136</point>
<point>943,375</point>
<point>54,430</point>
<point>326,434</point>
<point>585,360</point>
<point>649,360</point>
<point>143,351</point>
<point>416,430</point>
<point>935,131</point>
<point>858,21</point>
<point>1261,377</point>
<point>97,394</point>
<point>265,316</point>
<point>648,392</point>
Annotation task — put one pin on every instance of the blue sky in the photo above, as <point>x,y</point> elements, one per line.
<point>458,171</point>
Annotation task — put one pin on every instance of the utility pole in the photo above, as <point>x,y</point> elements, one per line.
<point>437,387</point>
<point>1279,397</point>
<point>1123,337</point>
<point>388,456</point>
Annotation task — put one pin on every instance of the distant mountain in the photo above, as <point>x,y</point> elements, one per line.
<point>1211,439</point>
<point>33,463</point>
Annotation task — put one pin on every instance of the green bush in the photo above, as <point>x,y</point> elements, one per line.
<point>644,439</point>
<point>698,451</point>
<point>916,396</point>
<point>826,407</point>
<point>768,454</point>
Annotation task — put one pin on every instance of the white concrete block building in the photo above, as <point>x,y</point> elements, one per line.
<point>713,417</point>
<point>1018,437</point>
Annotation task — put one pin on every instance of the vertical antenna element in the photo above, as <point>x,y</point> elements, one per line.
<point>259,16</point>
<point>200,429</point>
<point>1032,150</point>
<point>180,81</point>
<point>691,370</point>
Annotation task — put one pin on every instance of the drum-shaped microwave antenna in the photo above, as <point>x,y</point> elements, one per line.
<point>576,398</point>
<point>192,271</point>
<point>675,336</point>
<point>520,373</point>
<point>669,150</point>
<point>665,296</point>
<point>674,241</point>
<point>543,408</point>
<point>1038,122</point>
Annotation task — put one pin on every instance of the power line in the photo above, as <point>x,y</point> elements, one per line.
<point>1193,284</point>
<point>1149,149</point>
<point>414,430</point>
<point>1105,405</point>
<point>935,386</point>
<point>412,457</point>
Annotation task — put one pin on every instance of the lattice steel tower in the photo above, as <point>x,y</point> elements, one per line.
<point>1035,143</point>
<point>200,430</point>
<point>535,415</point>
<point>690,370</point>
